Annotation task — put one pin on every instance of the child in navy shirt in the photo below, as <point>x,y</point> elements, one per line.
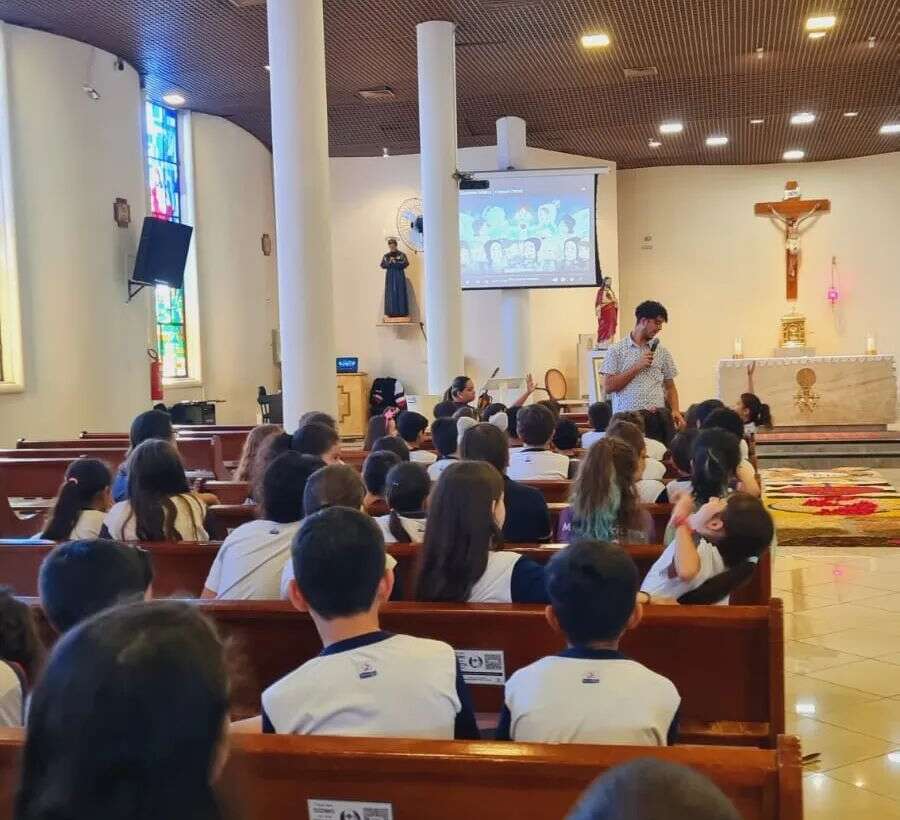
<point>365,682</point>
<point>590,692</point>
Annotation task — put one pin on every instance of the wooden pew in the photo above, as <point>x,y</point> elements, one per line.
<point>270,777</point>
<point>178,568</point>
<point>739,700</point>
<point>74,445</point>
<point>13,525</point>
<point>33,478</point>
<point>113,456</point>
<point>232,440</point>
<point>228,492</point>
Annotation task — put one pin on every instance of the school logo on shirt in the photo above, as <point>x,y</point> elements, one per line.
<point>366,670</point>
<point>591,677</point>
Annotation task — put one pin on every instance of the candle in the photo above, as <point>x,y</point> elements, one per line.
<point>738,348</point>
<point>870,345</point>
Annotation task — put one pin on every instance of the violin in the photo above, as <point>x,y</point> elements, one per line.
<point>485,398</point>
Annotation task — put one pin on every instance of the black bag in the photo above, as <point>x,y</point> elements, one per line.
<point>383,395</point>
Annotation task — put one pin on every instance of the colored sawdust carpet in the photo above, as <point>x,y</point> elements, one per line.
<point>843,507</point>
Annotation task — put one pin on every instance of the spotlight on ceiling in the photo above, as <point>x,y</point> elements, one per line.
<point>671,128</point>
<point>654,143</point>
<point>871,42</point>
<point>757,121</point>
<point>890,128</point>
<point>715,141</point>
<point>822,23</point>
<point>793,154</point>
<point>803,118</point>
<point>816,35</point>
<point>268,68</point>
<point>384,153</point>
<point>760,52</point>
<point>597,40</point>
<point>851,113</point>
<point>174,99</point>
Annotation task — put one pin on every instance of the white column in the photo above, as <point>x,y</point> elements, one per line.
<point>440,201</point>
<point>302,212</point>
<point>515,305</point>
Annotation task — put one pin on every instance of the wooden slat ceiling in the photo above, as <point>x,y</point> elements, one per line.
<point>524,58</point>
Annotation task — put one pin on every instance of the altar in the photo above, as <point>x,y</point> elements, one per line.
<point>817,391</point>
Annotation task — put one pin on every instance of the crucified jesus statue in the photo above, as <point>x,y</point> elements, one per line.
<point>792,213</point>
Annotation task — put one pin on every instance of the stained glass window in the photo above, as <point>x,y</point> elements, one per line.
<point>165,203</point>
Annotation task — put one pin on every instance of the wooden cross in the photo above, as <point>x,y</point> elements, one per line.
<point>791,213</point>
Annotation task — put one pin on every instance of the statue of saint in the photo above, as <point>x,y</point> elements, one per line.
<point>396,302</point>
<point>607,308</point>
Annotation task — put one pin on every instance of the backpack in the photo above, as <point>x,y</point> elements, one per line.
<point>386,392</point>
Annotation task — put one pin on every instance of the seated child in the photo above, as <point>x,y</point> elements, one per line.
<point>536,425</point>
<point>753,413</point>
<point>248,565</point>
<point>492,409</point>
<point>527,515</point>
<point>365,682</point>
<point>715,550</point>
<point>315,438</point>
<point>698,412</point>
<point>412,426</point>
<point>392,444</point>
<point>21,657</point>
<point>445,436</point>
<point>81,503</point>
<point>649,485</point>
<point>599,415</point>
<point>590,692</point>
<point>153,424</point>
<point>565,438</point>
<point>374,473</point>
<point>725,419</point>
<point>461,560</point>
<point>160,504</point>
<point>650,789</point>
<point>336,485</point>
<point>317,415</point>
<point>80,578</point>
<point>407,488</point>
<point>255,439</point>
<point>378,427</point>
<point>604,502</point>
<point>656,450</point>
<point>444,410</point>
<point>681,448</point>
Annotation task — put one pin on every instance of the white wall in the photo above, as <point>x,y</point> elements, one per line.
<point>84,348</point>
<point>720,270</point>
<point>366,193</point>
<point>234,207</point>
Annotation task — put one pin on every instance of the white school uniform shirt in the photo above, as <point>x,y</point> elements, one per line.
<point>248,565</point>
<point>658,583</point>
<point>654,470</point>
<point>676,488</point>
<point>589,696</point>
<point>655,449</point>
<point>648,491</point>
<point>425,457</point>
<point>535,464</point>
<point>588,438</point>
<point>495,584</point>
<point>12,698</point>
<point>376,685</point>
<point>437,467</point>
<point>189,514</point>
<point>745,450</point>
<point>414,526</point>
<point>88,525</point>
<point>287,573</point>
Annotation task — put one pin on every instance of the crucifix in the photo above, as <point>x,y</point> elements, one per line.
<point>792,212</point>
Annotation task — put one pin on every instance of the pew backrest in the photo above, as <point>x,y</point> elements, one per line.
<point>269,777</point>
<point>33,478</point>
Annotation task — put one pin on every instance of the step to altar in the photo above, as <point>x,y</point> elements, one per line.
<point>826,449</point>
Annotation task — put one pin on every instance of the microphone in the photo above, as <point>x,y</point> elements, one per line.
<point>653,345</point>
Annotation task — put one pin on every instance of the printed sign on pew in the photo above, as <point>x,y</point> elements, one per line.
<point>482,666</point>
<point>348,810</point>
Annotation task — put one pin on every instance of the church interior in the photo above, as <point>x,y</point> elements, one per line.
<point>223,215</point>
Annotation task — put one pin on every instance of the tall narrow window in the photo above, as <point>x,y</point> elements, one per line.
<point>164,183</point>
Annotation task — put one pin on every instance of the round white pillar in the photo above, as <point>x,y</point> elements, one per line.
<point>515,305</point>
<point>440,201</point>
<point>302,213</point>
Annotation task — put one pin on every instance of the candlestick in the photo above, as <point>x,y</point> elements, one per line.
<point>738,348</point>
<point>870,345</point>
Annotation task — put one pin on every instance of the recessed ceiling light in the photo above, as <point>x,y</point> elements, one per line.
<point>794,153</point>
<point>716,140</point>
<point>654,143</point>
<point>816,35</point>
<point>851,113</point>
<point>890,128</point>
<point>803,118</point>
<point>871,42</point>
<point>598,40</point>
<point>757,121</point>
<point>671,128</point>
<point>759,51</point>
<point>384,153</point>
<point>174,98</point>
<point>826,21</point>
<point>268,68</point>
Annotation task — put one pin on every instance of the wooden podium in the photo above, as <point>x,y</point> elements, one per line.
<point>353,404</point>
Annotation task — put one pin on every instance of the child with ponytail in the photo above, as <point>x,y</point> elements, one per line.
<point>82,502</point>
<point>715,550</point>
<point>406,490</point>
<point>604,502</point>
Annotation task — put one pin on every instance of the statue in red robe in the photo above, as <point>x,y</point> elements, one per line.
<point>606,306</point>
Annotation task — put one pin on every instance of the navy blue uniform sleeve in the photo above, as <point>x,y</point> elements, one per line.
<point>527,585</point>
<point>466,727</point>
<point>120,486</point>
<point>268,727</point>
<point>672,736</point>
<point>504,727</point>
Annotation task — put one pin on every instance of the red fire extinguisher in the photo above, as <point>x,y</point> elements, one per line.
<point>156,384</point>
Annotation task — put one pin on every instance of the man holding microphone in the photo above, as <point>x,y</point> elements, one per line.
<point>639,374</point>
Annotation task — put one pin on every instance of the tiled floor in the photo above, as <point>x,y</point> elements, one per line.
<point>842,679</point>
